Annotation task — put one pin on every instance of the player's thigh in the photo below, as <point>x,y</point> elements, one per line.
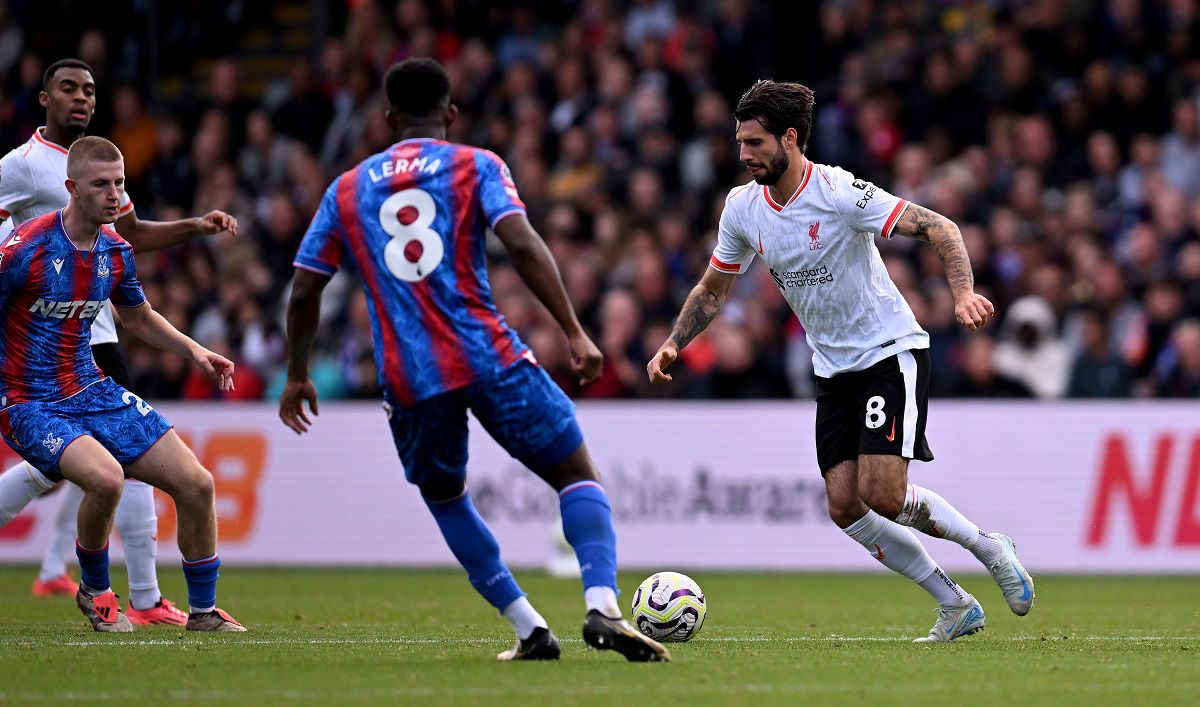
<point>42,432</point>
<point>894,403</point>
<point>838,420</point>
<point>170,465</point>
<point>431,441</point>
<point>87,464</point>
<point>883,481</point>
<point>532,419</point>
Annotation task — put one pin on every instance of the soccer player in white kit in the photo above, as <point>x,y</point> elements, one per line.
<point>814,225</point>
<point>32,183</point>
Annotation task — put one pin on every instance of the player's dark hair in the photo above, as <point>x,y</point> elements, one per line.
<point>778,106</point>
<point>418,86</point>
<point>63,64</point>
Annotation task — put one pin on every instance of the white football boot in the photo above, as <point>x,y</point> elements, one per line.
<point>953,622</point>
<point>1014,581</point>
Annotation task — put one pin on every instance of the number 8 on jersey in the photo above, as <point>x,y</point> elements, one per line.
<point>415,249</point>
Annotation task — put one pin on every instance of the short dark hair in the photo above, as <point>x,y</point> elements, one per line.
<point>417,86</point>
<point>63,64</point>
<point>778,106</point>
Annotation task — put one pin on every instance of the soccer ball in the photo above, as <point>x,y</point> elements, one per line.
<point>669,606</point>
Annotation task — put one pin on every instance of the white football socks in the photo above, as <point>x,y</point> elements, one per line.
<point>602,599</point>
<point>20,484</point>
<point>137,524</point>
<point>933,515</point>
<point>62,544</point>
<point>523,617</point>
<point>900,551</point>
<point>945,590</point>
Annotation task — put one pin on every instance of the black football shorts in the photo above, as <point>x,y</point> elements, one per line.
<point>879,410</point>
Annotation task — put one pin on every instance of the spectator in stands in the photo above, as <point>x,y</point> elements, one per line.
<point>1065,143</point>
<point>1030,350</point>
<point>978,377</point>
<point>1179,375</point>
<point>1097,371</point>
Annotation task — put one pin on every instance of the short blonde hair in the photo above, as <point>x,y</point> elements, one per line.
<point>90,148</point>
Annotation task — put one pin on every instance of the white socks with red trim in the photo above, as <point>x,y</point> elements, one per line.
<point>61,549</point>
<point>898,549</point>
<point>933,515</point>
<point>137,524</point>
<point>19,485</point>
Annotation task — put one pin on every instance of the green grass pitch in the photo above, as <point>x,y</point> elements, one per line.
<point>424,637</point>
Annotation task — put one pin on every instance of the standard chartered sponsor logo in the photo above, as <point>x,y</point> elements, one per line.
<point>805,277</point>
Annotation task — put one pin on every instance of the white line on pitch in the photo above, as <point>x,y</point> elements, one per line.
<point>483,641</point>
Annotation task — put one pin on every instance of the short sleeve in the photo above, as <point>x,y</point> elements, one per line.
<point>733,253</point>
<point>13,269</point>
<point>127,292</point>
<point>126,204</point>
<point>866,207</point>
<point>322,249</point>
<point>16,186</point>
<point>497,191</point>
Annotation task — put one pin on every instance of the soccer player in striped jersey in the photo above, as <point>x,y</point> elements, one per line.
<point>70,421</point>
<point>413,221</point>
<point>814,226</point>
<point>32,181</point>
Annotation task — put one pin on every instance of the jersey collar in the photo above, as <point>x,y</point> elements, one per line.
<point>37,135</point>
<point>62,227</point>
<point>808,169</point>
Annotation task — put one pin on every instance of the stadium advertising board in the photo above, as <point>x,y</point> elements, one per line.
<point>1099,487</point>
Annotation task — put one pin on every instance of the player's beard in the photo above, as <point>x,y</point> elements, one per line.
<point>773,171</point>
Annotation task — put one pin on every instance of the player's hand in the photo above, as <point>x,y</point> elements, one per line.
<point>217,222</point>
<point>215,366</point>
<point>662,360</point>
<point>291,404</point>
<point>586,359</point>
<point>973,310</point>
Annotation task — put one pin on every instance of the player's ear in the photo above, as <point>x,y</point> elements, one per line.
<point>451,114</point>
<point>392,121</point>
<point>44,99</point>
<point>71,188</point>
<point>790,137</point>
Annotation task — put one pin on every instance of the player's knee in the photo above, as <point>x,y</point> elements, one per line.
<point>578,466</point>
<point>882,501</point>
<point>845,512</point>
<point>106,487</point>
<point>442,488</point>
<point>200,489</point>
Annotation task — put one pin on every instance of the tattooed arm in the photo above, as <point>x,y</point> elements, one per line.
<point>701,307</point>
<point>971,309</point>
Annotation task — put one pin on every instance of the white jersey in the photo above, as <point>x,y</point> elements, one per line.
<point>822,255</point>
<point>32,184</point>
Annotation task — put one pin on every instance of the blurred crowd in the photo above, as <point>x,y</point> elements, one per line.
<point>1063,137</point>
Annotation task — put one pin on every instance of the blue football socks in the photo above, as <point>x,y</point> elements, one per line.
<point>476,549</point>
<point>587,525</point>
<point>201,578</point>
<point>93,568</point>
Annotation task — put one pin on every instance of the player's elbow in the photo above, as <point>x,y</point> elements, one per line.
<point>306,288</point>
<point>133,319</point>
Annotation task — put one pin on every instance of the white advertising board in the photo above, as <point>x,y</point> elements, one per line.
<point>1097,487</point>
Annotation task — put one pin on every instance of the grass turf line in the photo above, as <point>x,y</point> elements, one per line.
<point>404,636</point>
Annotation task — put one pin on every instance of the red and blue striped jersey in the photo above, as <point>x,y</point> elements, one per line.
<point>413,221</point>
<point>50,292</point>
